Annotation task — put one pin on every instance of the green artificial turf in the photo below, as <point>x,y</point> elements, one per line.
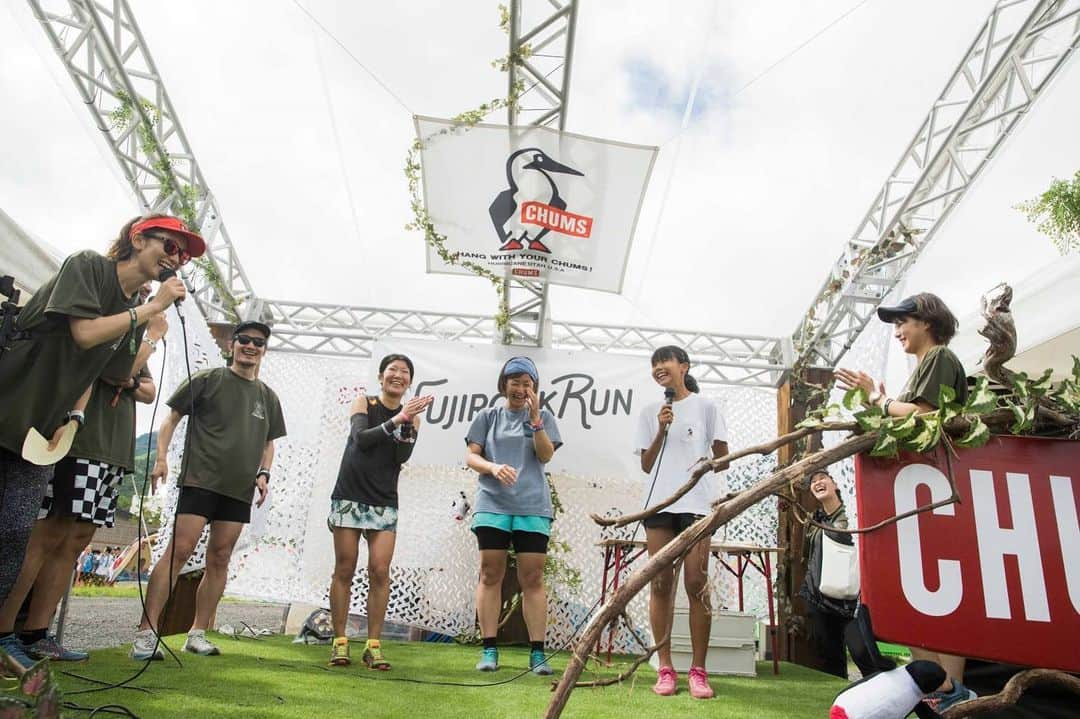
<point>274,678</point>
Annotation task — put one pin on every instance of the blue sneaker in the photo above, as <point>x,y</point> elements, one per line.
<point>489,660</point>
<point>538,663</point>
<point>49,648</point>
<point>941,701</point>
<point>15,651</point>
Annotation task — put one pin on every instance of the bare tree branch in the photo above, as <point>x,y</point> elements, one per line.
<point>1011,693</point>
<point>710,465</point>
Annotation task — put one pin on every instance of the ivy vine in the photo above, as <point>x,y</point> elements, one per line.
<point>463,122</point>
<point>921,432</point>
<point>186,195</point>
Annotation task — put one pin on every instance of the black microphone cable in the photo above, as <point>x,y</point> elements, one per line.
<point>140,537</point>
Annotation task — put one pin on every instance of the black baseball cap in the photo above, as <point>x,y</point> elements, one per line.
<point>907,308</point>
<point>252,325</point>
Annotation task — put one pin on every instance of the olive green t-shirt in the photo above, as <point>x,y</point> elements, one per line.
<point>42,376</point>
<point>234,419</point>
<point>109,434</point>
<point>938,367</point>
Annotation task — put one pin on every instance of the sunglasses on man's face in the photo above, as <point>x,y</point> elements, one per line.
<point>172,248</point>
<point>249,340</point>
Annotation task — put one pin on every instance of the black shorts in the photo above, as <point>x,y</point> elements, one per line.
<point>213,506</point>
<point>524,542</point>
<point>677,522</point>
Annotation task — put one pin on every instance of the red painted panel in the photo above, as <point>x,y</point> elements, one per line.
<point>996,576</point>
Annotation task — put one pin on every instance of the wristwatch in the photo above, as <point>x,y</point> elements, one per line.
<point>76,415</point>
<point>263,472</point>
<point>151,342</point>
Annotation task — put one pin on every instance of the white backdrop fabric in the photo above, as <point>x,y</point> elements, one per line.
<point>286,554</point>
<point>533,202</point>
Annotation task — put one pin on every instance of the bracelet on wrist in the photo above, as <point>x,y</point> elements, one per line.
<point>885,406</point>
<point>76,415</point>
<point>537,426</point>
<point>263,472</point>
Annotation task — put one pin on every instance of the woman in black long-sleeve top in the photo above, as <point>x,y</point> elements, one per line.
<point>364,504</point>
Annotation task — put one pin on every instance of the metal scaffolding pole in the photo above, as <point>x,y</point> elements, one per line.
<point>544,50</point>
<point>1018,50</point>
<point>105,54</point>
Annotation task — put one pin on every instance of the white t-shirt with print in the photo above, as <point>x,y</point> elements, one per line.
<point>698,423</point>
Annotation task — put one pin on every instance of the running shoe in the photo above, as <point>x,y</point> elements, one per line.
<point>339,653</point>
<point>49,648</point>
<point>698,679</point>
<point>489,660</point>
<point>373,656</point>
<point>940,701</point>
<point>16,652</point>
<point>538,663</point>
<point>197,643</point>
<point>146,646</point>
<point>665,681</point>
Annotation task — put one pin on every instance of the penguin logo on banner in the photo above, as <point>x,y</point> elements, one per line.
<point>531,206</point>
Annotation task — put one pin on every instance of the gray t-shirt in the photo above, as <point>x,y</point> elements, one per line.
<point>506,438</point>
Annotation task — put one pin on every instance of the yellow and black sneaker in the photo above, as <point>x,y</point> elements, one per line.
<point>373,656</point>
<point>339,652</point>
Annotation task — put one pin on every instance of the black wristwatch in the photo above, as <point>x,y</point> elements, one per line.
<point>76,415</point>
<point>263,472</point>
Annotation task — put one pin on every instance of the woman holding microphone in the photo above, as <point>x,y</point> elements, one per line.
<point>65,336</point>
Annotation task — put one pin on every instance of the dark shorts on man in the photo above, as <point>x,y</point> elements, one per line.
<point>677,522</point>
<point>212,506</point>
<point>524,542</point>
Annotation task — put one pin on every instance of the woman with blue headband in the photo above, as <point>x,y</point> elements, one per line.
<point>509,446</point>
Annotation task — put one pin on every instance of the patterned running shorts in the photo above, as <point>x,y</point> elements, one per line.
<point>84,489</point>
<point>356,515</point>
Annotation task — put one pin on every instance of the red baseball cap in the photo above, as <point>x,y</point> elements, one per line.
<point>196,246</point>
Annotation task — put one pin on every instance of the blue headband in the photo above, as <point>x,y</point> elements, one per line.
<point>521,365</point>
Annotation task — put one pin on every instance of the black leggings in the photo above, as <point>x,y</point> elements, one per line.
<point>22,487</point>
<point>827,631</point>
<point>524,542</point>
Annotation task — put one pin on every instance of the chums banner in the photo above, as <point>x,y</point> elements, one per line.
<point>996,576</point>
<point>595,399</point>
<point>532,202</point>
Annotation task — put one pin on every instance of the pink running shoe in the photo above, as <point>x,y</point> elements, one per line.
<point>665,681</point>
<point>699,683</point>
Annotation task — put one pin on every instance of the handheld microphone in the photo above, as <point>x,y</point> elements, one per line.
<point>669,397</point>
<point>167,274</point>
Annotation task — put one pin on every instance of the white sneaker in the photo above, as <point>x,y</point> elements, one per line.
<point>197,643</point>
<point>146,646</point>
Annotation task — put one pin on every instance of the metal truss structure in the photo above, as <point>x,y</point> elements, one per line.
<point>1017,52</point>
<point>540,58</point>
<point>1019,49</point>
<point>346,331</point>
<point>106,56</point>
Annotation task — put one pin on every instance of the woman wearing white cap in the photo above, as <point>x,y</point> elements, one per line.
<point>509,446</point>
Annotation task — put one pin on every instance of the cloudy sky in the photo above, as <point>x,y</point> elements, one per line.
<point>747,208</point>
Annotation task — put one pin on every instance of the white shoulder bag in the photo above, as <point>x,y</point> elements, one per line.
<point>839,568</point>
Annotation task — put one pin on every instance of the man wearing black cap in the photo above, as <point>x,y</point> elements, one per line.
<point>923,325</point>
<point>227,456</point>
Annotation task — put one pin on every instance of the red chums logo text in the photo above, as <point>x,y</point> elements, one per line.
<point>531,206</point>
<point>566,223</point>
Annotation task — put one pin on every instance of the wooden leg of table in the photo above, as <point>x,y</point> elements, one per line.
<point>772,614</point>
<point>603,588</point>
<point>742,569</point>
<point>614,588</point>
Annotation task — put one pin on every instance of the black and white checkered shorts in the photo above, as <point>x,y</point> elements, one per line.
<point>84,489</point>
